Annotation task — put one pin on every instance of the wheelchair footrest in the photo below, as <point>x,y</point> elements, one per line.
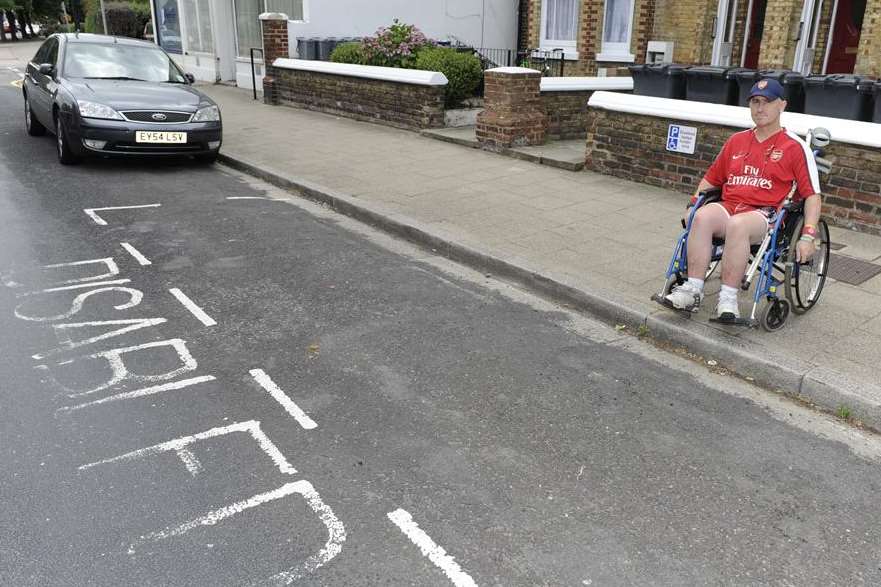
<point>735,322</point>
<point>667,304</point>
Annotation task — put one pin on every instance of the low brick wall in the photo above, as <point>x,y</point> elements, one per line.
<point>401,105</point>
<point>633,146</point>
<point>567,114</point>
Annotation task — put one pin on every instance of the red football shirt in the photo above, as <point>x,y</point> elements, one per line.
<point>762,173</point>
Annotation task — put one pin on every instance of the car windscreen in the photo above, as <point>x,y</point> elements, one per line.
<point>119,61</point>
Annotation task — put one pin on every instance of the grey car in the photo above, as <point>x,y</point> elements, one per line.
<point>108,96</point>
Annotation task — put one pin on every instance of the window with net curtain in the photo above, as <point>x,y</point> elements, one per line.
<point>248,31</point>
<point>617,23</point>
<point>200,37</point>
<point>560,26</point>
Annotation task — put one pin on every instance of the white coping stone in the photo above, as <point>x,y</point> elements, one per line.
<point>513,70</point>
<point>273,16</point>
<point>575,84</point>
<point>389,74</point>
<point>855,132</point>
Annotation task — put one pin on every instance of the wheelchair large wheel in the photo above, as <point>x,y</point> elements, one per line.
<point>804,281</point>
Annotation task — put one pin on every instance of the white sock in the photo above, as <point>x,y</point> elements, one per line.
<point>728,292</point>
<point>698,283</point>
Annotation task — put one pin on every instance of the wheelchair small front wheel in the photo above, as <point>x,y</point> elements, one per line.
<point>774,315</point>
<point>804,282</point>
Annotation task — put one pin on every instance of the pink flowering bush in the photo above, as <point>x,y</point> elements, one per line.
<point>395,46</point>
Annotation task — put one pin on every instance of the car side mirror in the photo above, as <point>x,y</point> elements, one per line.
<point>46,68</point>
<point>190,78</point>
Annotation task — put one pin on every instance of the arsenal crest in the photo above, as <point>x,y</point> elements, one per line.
<point>762,84</point>
<point>776,155</point>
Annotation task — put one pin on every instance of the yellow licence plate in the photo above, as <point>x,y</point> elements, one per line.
<point>151,136</point>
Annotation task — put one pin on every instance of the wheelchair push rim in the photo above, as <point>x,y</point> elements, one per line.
<point>804,282</point>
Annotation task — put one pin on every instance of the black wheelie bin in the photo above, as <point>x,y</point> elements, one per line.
<point>792,82</point>
<point>712,84</point>
<point>839,96</point>
<point>661,80</point>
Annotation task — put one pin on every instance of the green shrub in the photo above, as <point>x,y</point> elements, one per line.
<point>348,53</point>
<point>124,19</point>
<point>462,70</point>
<point>395,46</point>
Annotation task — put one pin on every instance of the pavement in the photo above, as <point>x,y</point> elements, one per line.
<point>586,240</point>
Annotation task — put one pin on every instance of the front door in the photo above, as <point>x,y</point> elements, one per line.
<point>723,34</point>
<point>222,20</point>
<point>807,38</point>
<point>845,36</point>
<point>754,33</point>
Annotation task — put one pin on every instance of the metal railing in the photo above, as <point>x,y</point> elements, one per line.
<point>254,75</point>
<point>548,62</point>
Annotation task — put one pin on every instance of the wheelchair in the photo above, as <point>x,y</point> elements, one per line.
<point>772,263</point>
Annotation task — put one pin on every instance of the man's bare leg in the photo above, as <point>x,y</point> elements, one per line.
<point>711,220</point>
<point>742,231</point>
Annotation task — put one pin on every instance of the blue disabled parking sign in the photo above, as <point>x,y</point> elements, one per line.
<point>681,139</point>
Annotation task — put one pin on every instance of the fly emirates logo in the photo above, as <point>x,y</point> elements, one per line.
<point>750,178</point>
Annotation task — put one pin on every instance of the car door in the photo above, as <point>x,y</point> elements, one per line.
<point>43,85</point>
<point>31,83</point>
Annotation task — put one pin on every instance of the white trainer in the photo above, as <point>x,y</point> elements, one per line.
<point>685,297</point>
<point>727,309</point>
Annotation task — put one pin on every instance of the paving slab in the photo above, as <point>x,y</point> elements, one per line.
<point>589,241</point>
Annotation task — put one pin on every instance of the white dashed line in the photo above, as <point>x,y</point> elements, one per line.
<point>281,397</point>
<point>247,198</point>
<point>195,310</point>
<point>136,254</point>
<point>435,553</point>
<point>91,212</point>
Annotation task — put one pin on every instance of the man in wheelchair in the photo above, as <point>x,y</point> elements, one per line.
<point>757,169</point>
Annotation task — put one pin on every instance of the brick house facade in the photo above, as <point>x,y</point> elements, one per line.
<point>813,36</point>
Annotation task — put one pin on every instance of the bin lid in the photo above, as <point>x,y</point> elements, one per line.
<point>835,79</point>
<point>659,68</point>
<point>713,71</point>
<point>733,72</point>
<point>777,74</point>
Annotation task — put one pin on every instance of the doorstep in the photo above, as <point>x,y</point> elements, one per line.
<point>565,154</point>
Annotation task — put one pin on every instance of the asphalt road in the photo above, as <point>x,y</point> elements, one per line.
<point>215,383</point>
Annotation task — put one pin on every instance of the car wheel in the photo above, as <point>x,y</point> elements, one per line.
<point>65,155</point>
<point>35,128</point>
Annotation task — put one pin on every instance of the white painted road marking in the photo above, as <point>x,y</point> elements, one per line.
<point>281,397</point>
<point>247,198</point>
<point>77,286</point>
<point>136,254</point>
<point>435,553</point>
<point>112,269</point>
<point>335,529</point>
<point>153,390</point>
<point>91,212</point>
<point>252,427</point>
<point>135,297</point>
<point>68,344</point>
<point>198,312</point>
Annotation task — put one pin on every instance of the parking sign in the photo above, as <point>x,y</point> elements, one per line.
<point>681,139</point>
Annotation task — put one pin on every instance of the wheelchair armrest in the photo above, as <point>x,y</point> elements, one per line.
<point>795,206</point>
<point>711,195</point>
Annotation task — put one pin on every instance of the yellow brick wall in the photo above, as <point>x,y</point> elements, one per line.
<point>688,24</point>
<point>778,41</point>
<point>869,52</point>
<point>823,37</point>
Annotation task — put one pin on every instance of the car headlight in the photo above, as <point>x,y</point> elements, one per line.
<point>95,110</point>
<point>207,114</point>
